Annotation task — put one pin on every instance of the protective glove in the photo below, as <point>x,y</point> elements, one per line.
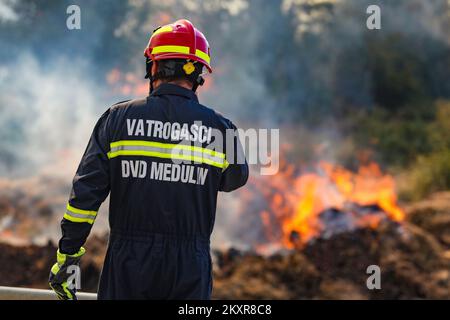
<point>59,275</point>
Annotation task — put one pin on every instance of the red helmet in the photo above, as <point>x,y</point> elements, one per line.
<point>179,40</point>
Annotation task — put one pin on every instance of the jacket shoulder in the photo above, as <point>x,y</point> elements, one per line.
<point>218,117</point>
<point>224,121</point>
<point>128,103</point>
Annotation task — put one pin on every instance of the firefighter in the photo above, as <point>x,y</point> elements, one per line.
<point>155,158</point>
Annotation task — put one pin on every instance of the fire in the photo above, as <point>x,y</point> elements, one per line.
<point>298,201</point>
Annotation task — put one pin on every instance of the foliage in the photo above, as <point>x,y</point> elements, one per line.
<point>428,174</point>
<point>431,172</point>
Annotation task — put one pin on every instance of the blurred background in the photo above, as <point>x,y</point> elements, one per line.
<point>364,119</point>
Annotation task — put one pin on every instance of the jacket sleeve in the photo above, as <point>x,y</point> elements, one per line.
<point>236,173</point>
<point>90,188</point>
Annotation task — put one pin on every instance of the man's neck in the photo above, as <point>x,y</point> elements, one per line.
<point>184,84</point>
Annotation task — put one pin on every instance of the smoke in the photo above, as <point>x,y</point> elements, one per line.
<point>274,62</point>
<point>53,90</point>
<point>52,82</point>
<point>7,12</point>
<point>44,113</point>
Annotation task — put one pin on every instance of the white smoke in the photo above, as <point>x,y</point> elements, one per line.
<point>47,113</point>
<point>7,12</point>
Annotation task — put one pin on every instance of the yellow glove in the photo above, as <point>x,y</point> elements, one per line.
<point>59,274</point>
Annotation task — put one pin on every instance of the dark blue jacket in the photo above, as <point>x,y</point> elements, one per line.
<point>163,159</point>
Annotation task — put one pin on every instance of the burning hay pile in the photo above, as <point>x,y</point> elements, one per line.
<point>298,205</point>
<point>326,227</point>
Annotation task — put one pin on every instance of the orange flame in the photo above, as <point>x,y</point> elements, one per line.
<point>296,201</point>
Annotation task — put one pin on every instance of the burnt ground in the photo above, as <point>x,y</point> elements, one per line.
<point>414,258</point>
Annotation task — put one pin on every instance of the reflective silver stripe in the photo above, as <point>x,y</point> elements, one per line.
<point>81,216</point>
<point>173,151</point>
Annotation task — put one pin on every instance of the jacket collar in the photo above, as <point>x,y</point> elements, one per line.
<point>173,89</point>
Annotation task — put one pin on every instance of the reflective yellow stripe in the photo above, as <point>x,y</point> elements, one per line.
<point>75,219</point>
<point>202,55</point>
<point>166,146</point>
<point>170,152</point>
<point>166,156</point>
<point>80,211</point>
<point>181,49</point>
<point>161,30</point>
<point>170,49</point>
<point>79,215</point>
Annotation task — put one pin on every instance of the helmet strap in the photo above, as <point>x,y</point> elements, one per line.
<point>198,82</point>
<point>148,75</point>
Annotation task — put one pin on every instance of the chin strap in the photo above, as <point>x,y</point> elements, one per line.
<point>148,74</point>
<point>198,82</point>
